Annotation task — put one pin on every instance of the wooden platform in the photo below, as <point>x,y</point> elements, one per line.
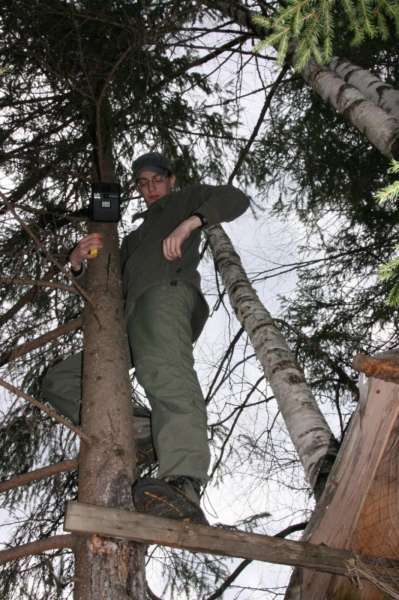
<point>116,523</point>
<point>360,508</point>
<point>353,531</point>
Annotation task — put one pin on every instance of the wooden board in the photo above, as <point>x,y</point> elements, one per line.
<point>86,518</point>
<point>348,488</point>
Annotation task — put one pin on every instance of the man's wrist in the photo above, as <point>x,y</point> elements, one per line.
<point>76,271</point>
<point>201,218</point>
<point>76,267</point>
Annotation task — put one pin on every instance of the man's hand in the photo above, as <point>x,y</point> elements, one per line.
<point>82,250</point>
<point>171,246</point>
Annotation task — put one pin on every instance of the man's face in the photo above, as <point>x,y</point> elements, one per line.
<point>152,191</point>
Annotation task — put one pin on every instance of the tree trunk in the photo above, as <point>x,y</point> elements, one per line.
<point>106,568</point>
<point>372,87</point>
<point>381,129</point>
<point>309,432</point>
<point>372,119</point>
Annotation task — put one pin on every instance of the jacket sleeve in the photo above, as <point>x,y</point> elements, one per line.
<point>81,278</point>
<point>217,203</point>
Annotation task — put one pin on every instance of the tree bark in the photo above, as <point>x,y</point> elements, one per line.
<point>107,568</point>
<point>372,119</point>
<point>372,87</point>
<point>316,446</point>
<point>381,129</point>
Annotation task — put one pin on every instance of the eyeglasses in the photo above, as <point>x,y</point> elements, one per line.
<point>143,183</point>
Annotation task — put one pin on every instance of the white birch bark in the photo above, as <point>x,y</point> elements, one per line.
<point>372,87</point>
<point>381,129</point>
<point>379,126</point>
<point>309,432</point>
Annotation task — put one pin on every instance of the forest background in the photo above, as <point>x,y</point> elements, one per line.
<point>182,78</point>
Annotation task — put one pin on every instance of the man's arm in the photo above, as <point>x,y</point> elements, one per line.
<point>217,203</point>
<point>214,204</point>
<point>171,246</point>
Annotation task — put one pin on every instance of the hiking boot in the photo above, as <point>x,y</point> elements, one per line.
<point>168,499</point>
<point>189,486</point>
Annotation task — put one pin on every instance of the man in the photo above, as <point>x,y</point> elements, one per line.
<point>165,313</point>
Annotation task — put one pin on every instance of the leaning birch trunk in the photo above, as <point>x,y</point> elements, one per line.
<point>380,127</point>
<point>107,568</point>
<point>372,87</point>
<point>309,432</point>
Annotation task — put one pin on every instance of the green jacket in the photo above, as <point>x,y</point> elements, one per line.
<point>143,264</point>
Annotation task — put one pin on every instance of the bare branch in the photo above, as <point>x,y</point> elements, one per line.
<point>244,151</point>
<point>38,474</point>
<point>38,283</point>
<point>38,547</point>
<point>41,340</point>
<point>81,291</point>
<point>151,594</point>
<point>44,408</point>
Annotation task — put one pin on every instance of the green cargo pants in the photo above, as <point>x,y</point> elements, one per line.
<point>160,336</point>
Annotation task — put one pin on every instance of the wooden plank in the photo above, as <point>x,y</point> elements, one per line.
<point>380,368</point>
<point>86,518</point>
<point>358,462</point>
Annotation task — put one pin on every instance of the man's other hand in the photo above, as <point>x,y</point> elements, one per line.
<point>82,250</point>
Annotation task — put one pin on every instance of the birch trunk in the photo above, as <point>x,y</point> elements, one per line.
<point>107,568</point>
<point>380,127</point>
<point>372,87</point>
<point>309,432</point>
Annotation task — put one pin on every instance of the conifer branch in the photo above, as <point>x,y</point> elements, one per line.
<point>38,283</point>
<point>38,474</point>
<point>41,340</point>
<point>44,408</point>
<point>56,542</point>
<point>244,151</point>
<point>25,299</point>
<point>343,377</point>
<point>47,253</point>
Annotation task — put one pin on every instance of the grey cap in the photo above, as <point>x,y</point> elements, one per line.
<point>152,161</point>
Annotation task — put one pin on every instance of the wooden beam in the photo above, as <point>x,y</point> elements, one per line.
<point>111,522</point>
<point>365,443</point>
<point>382,366</point>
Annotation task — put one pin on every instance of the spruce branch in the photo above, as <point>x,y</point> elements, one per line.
<point>310,25</point>
<point>38,474</point>
<point>37,547</point>
<point>25,299</point>
<point>390,270</point>
<point>41,340</point>
<point>47,253</point>
<point>38,283</point>
<point>46,410</point>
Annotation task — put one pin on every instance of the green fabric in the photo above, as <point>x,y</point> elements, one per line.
<point>160,338</point>
<point>143,264</point>
<point>62,387</point>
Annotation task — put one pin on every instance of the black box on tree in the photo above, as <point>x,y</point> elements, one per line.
<point>105,202</point>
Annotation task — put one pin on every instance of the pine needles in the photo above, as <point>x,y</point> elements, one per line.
<point>391,269</point>
<point>311,24</point>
